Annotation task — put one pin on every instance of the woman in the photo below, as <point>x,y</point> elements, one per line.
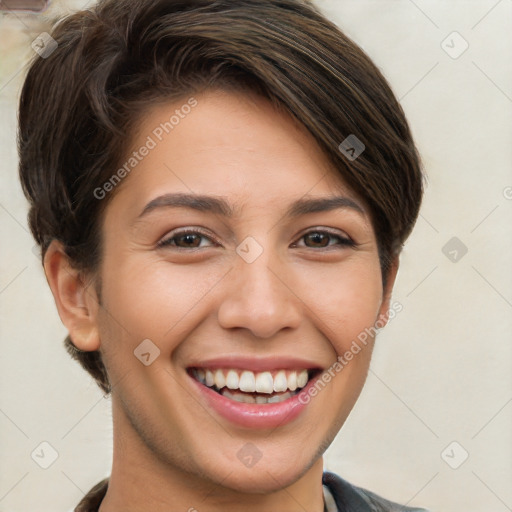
<point>221,190</point>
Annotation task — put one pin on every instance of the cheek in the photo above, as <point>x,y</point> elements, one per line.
<point>346,299</point>
<point>147,298</point>
<point>150,298</point>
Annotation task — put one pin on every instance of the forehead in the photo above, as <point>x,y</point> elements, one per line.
<point>228,144</point>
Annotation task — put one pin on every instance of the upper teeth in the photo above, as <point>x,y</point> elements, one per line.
<point>245,380</point>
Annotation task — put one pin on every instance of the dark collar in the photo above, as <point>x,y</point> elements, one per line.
<point>348,498</point>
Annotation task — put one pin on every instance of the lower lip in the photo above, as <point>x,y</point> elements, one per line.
<point>256,415</point>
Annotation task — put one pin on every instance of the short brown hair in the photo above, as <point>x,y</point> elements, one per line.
<point>79,105</point>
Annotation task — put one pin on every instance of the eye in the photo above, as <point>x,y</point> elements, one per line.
<point>315,239</point>
<point>186,239</point>
<point>320,239</point>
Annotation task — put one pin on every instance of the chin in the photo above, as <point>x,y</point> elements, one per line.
<point>268,475</point>
<point>262,481</point>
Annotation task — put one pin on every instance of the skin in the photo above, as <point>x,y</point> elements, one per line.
<point>299,297</point>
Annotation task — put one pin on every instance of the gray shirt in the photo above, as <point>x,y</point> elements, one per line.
<point>341,496</point>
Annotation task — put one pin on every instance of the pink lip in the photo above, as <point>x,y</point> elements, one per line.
<point>255,415</point>
<point>258,365</point>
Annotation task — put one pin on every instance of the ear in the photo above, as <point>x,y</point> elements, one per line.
<point>386,297</point>
<point>76,300</point>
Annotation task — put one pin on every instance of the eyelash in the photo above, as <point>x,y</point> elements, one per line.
<point>167,242</point>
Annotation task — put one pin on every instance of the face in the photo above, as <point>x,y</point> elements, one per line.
<point>259,285</point>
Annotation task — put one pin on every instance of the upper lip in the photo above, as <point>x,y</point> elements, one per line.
<point>257,364</point>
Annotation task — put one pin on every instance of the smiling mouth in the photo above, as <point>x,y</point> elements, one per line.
<point>267,387</point>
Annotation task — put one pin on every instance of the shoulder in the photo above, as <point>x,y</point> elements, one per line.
<point>92,500</point>
<point>351,498</point>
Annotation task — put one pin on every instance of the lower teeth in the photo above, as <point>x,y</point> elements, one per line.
<point>258,399</point>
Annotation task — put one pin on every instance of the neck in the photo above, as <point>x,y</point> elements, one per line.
<point>142,481</point>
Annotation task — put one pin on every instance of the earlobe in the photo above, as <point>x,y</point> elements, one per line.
<point>386,299</point>
<point>75,299</point>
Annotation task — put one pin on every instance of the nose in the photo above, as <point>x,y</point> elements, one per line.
<point>260,297</point>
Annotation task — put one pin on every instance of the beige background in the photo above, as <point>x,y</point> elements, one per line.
<point>441,369</point>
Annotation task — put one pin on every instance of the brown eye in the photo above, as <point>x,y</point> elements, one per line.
<point>317,239</point>
<point>321,240</point>
<point>184,240</point>
<point>188,239</point>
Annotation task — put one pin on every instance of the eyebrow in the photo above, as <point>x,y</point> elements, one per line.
<point>220,206</point>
